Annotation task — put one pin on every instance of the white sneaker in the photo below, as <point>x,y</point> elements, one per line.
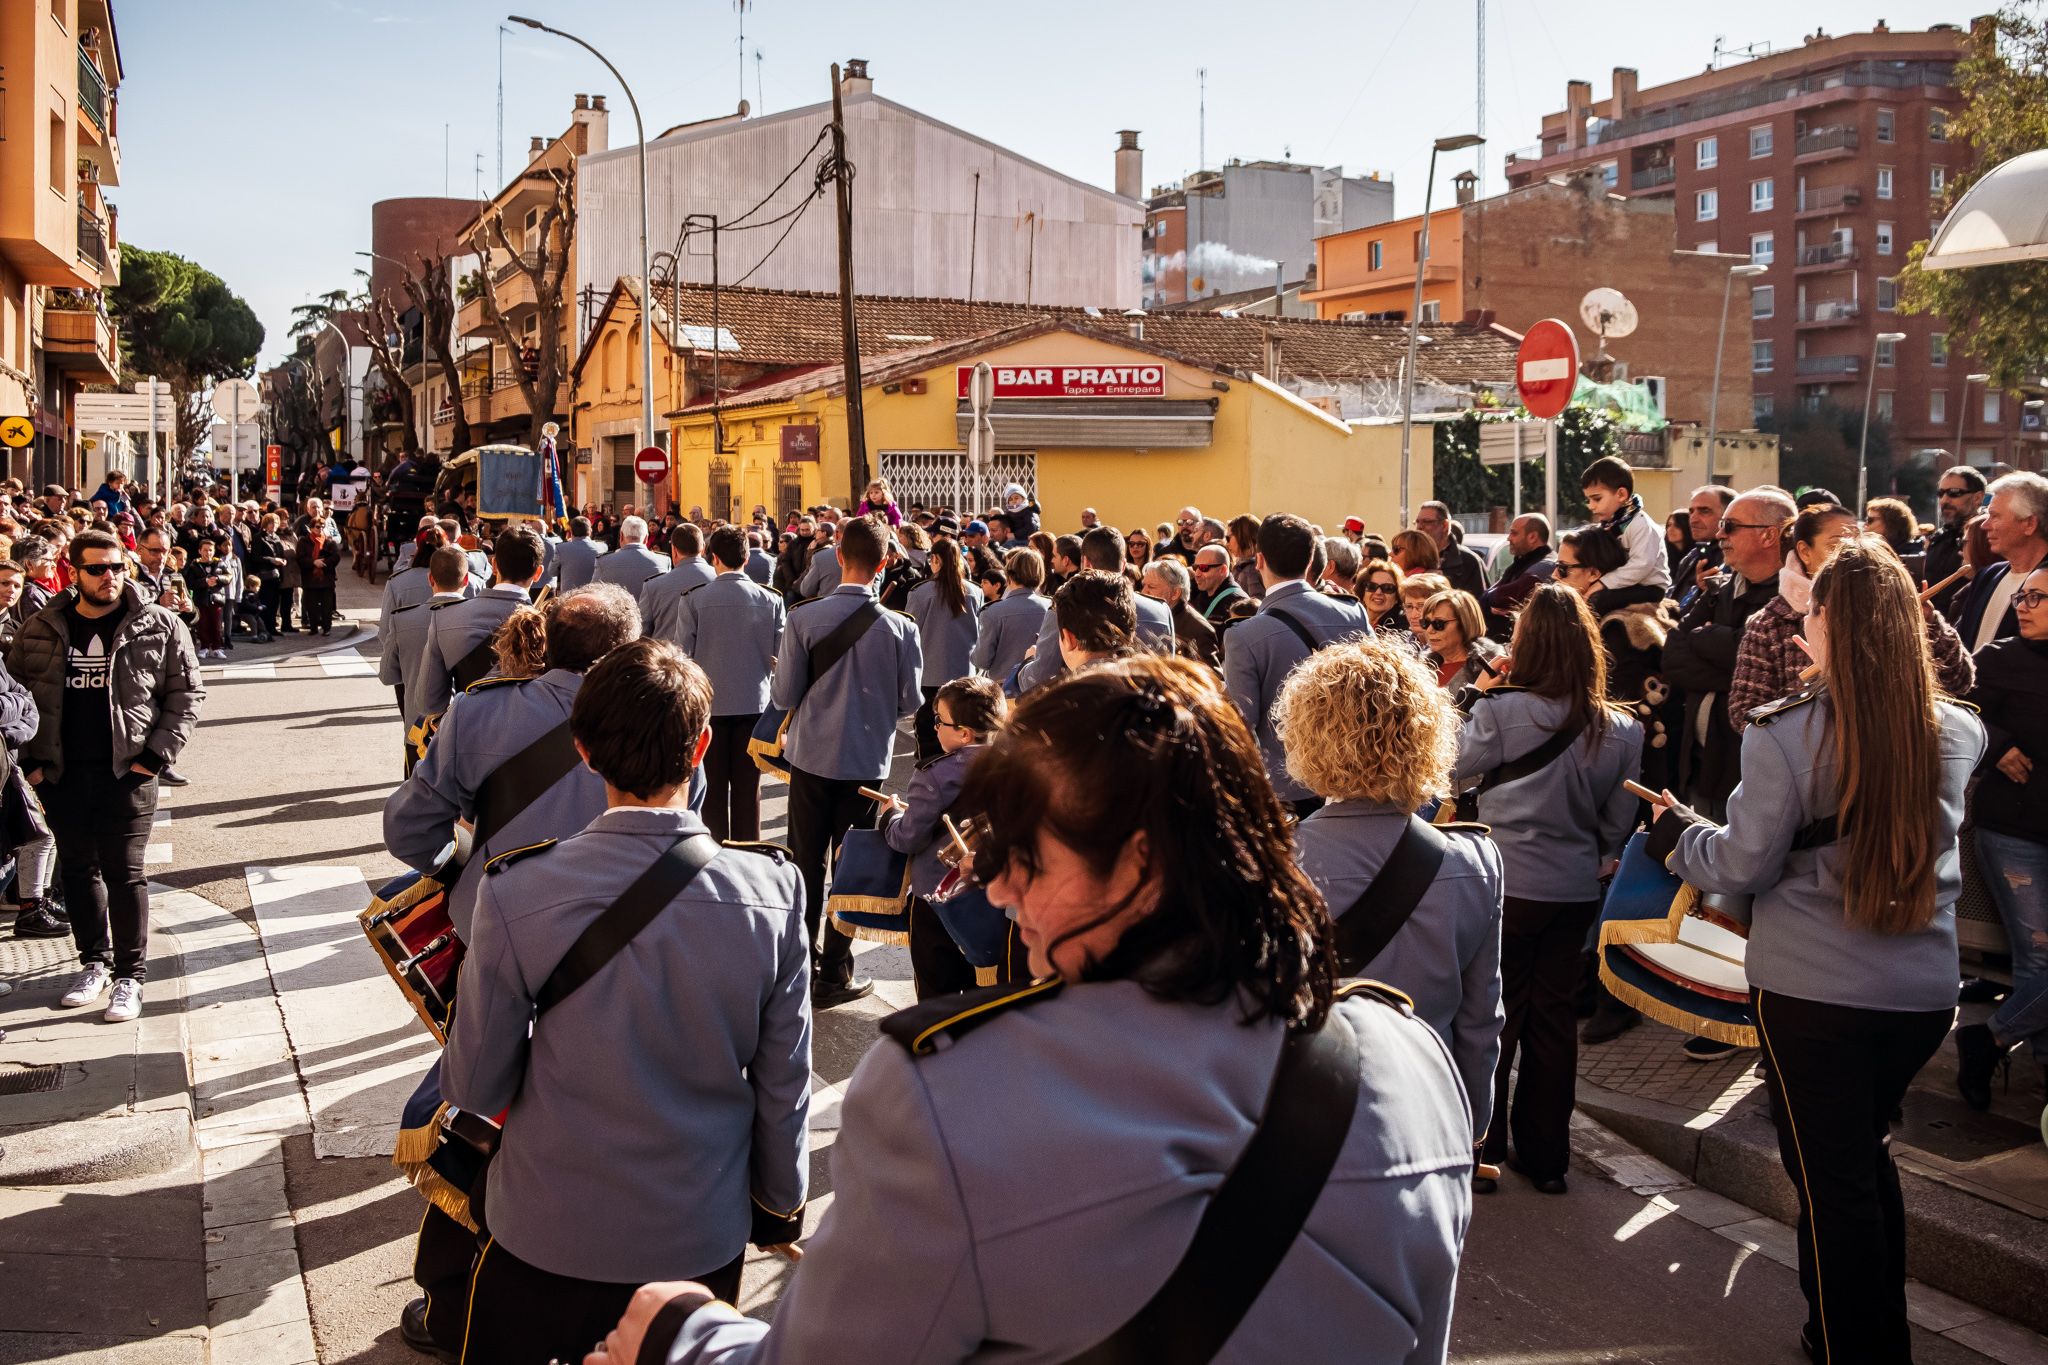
<point>127,1002</point>
<point>92,983</point>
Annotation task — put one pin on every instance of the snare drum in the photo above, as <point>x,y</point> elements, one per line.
<point>407,923</point>
<point>1674,954</point>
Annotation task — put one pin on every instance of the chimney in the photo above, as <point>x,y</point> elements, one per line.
<point>1578,107</point>
<point>1273,357</point>
<point>1130,165</point>
<point>593,123</point>
<point>854,79</point>
<point>1624,91</point>
<point>1137,323</point>
<point>1467,184</point>
<point>536,146</point>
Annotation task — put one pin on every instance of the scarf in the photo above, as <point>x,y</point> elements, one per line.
<point>1794,586</point>
<point>1627,514</point>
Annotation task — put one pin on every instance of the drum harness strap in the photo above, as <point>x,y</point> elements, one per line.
<point>1369,925</point>
<point>1819,834</point>
<point>1256,1214</point>
<point>519,781</point>
<point>1536,760</point>
<point>476,665</point>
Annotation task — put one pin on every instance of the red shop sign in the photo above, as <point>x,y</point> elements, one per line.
<point>1073,381</point>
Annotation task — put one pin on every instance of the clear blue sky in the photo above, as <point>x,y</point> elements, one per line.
<point>256,135</point>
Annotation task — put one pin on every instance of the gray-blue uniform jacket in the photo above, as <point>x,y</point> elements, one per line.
<point>658,1113</point>
<point>934,787</point>
<point>1260,652</point>
<point>1559,825</point>
<point>821,574</point>
<point>1155,630</point>
<point>1799,944</point>
<point>1447,956</point>
<point>947,640</point>
<point>453,630</point>
<point>659,595</point>
<point>1009,627</point>
<point>409,588</point>
<point>760,566</point>
<point>405,643</point>
<point>495,721</point>
<point>1019,1193</point>
<point>846,726</point>
<point>574,564</point>
<point>732,627</point>
<point>630,566</point>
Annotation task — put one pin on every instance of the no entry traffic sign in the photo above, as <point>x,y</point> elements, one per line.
<point>651,464</point>
<point>1547,368</point>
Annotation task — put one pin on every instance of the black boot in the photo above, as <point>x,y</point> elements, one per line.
<point>1978,1054</point>
<point>37,921</point>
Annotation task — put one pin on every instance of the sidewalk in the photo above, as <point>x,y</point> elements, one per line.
<point>1975,1185</point>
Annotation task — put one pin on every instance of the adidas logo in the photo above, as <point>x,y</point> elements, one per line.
<point>87,668</point>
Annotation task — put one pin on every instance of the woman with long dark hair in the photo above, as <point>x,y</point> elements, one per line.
<point>1549,752</point>
<point>1032,1163</point>
<point>947,609</point>
<point>1844,833</point>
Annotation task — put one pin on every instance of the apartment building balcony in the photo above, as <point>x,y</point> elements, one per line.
<point>1831,256</point>
<point>1829,199</point>
<point>1653,178</point>
<point>1826,368</point>
<point>81,340</point>
<point>1826,144</point>
<point>499,397</point>
<point>92,241</point>
<point>1833,313</point>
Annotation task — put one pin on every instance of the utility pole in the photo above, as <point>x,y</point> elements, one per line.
<point>856,422</point>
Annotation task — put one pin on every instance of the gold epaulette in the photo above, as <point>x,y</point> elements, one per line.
<point>513,855</point>
<point>1764,715</point>
<point>1378,990</point>
<point>494,681</point>
<point>954,1015</point>
<point>780,853</point>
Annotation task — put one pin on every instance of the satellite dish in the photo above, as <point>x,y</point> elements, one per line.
<point>1608,313</point>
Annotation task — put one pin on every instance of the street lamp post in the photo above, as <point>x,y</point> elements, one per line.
<point>420,404</point>
<point>1863,437</point>
<point>1747,270</point>
<point>1455,143</point>
<point>646,286</point>
<point>1963,411</point>
<point>348,382</point>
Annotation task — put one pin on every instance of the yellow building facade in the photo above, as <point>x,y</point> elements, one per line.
<point>1185,435</point>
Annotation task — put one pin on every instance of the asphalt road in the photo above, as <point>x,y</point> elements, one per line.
<point>292,765</point>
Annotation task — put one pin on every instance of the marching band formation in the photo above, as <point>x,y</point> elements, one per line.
<point>1225,1013</point>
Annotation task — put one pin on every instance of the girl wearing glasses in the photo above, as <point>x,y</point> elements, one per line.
<point>2010,815</point>
<point>1454,630</point>
<point>1549,753</point>
<point>1843,831</point>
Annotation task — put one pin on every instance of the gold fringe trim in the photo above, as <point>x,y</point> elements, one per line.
<point>417,1145</point>
<point>988,976</point>
<point>1736,1035</point>
<point>444,1196</point>
<point>1648,930</point>
<point>899,937</point>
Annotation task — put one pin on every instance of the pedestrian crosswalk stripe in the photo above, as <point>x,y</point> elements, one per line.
<point>265,672</point>
<point>158,850</point>
<point>346,663</point>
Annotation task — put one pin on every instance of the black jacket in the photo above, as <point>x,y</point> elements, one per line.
<point>1944,557</point>
<point>1699,661</point>
<point>2012,693</point>
<point>1464,568</point>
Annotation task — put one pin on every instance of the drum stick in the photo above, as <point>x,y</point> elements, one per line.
<point>1486,1172</point>
<point>1654,798</point>
<point>953,832</point>
<point>1928,594</point>
<point>871,794</point>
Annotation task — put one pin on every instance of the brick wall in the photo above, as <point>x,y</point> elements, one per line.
<point>1534,253</point>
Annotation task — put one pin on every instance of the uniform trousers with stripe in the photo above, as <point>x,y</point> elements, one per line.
<point>732,795</point>
<point>520,1314</point>
<point>1836,1074</point>
<point>1540,943</point>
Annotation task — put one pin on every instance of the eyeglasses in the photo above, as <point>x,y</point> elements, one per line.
<point>953,725</point>
<point>1381,589</point>
<point>101,570</point>
<point>1954,492</point>
<point>2031,599</point>
<point>1729,526</point>
<point>1563,567</point>
<point>1209,568</point>
<point>1438,623</point>
<point>1186,522</point>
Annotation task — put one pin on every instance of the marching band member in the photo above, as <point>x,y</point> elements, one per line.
<point>1188,975</point>
<point>690,1140</point>
<point>947,609</point>
<point>1550,754</point>
<point>967,712</point>
<point>446,572</point>
<point>841,731</point>
<point>1844,831</point>
<point>1010,623</point>
<point>504,759</point>
<point>661,595</point>
<point>1367,729</point>
<point>731,627</point>
<point>458,648</point>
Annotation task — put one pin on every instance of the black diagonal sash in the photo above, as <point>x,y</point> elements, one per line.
<point>1536,760</point>
<point>1369,925</point>
<point>521,780</point>
<point>1308,641</point>
<point>1256,1214</point>
<point>476,665</point>
<point>1819,834</point>
<point>625,917</point>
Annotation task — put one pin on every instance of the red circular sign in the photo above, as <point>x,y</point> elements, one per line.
<point>1547,368</point>
<point>651,464</point>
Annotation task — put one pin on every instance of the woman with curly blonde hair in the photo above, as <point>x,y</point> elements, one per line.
<point>521,644</point>
<point>1366,728</point>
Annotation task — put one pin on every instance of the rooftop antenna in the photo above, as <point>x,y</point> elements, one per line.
<point>478,193</point>
<point>760,100</point>
<point>501,105</point>
<point>740,7</point>
<point>1479,189</point>
<point>1201,166</point>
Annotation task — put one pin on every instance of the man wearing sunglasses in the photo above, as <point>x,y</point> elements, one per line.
<point>116,683</point>
<point>1958,497</point>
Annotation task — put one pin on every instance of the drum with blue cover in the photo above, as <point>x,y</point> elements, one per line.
<point>1674,954</point>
